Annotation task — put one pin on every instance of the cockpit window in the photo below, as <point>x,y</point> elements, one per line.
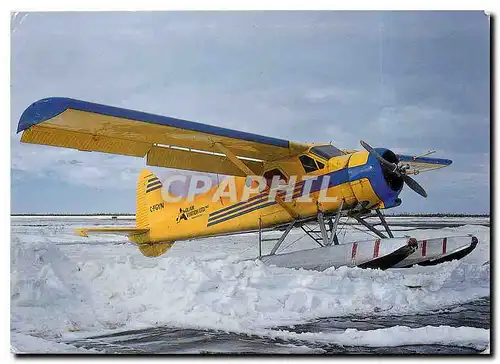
<point>309,164</point>
<point>326,151</point>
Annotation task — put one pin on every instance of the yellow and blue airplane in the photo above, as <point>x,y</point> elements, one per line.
<point>366,180</point>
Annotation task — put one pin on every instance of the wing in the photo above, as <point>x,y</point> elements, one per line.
<point>423,164</point>
<point>166,141</point>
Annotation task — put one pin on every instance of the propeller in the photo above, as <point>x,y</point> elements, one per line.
<point>414,185</point>
<point>398,170</point>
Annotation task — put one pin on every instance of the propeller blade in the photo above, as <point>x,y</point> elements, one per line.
<point>392,166</point>
<point>396,170</point>
<point>414,185</point>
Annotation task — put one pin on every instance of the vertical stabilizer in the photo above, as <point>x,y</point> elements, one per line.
<point>149,200</point>
<point>148,194</point>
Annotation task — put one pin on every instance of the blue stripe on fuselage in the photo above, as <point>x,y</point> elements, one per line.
<point>242,213</point>
<point>335,178</point>
<point>244,204</point>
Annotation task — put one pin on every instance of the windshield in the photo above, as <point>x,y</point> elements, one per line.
<point>326,151</point>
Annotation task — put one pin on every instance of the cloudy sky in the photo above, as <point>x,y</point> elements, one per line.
<point>409,81</point>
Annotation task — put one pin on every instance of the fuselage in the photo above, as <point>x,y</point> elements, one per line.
<point>354,178</point>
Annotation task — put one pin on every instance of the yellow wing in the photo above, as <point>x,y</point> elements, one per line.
<point>165,141</point>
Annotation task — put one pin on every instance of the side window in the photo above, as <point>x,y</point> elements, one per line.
<point>274,172</point>
<point>309,164</point>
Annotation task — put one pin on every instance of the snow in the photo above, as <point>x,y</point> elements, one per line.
<point>64,286</point>
<point>27,344</point>
<point>394,336</point>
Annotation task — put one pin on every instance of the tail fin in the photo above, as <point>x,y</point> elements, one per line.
<point>148,195</point>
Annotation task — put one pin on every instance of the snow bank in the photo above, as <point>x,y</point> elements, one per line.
<point>50,292</point>
<point>46,295</point>
<point>63,289</point>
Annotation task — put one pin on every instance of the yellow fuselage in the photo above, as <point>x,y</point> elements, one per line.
<point>206,216</point>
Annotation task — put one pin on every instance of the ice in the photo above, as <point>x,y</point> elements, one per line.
<point>64,286</point>
<point>394,336</point>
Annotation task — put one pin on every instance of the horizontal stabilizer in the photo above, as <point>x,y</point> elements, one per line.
<point>111,230</point>
<point>423,164</point>
<point>137,235</point>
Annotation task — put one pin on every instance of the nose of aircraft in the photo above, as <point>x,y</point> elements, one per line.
<point>396,168</point>
<point>373,182</point>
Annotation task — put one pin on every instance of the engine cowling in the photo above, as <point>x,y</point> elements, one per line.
<point>372,183</point>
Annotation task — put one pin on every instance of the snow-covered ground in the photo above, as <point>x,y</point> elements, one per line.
<point>64,287</point>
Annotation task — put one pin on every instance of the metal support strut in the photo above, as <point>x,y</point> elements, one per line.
<point>260,238</point>
<point>327,233</point>
<point>369,227</point>
<point>322,227</point>
<point>382,220</point>
<point>333,227</point>
<point>283,236</point>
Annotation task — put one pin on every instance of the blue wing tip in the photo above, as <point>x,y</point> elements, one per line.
<point>41,110</point>
<point>441,161</point>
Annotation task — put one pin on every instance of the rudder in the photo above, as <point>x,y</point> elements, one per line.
<point>149,194</point>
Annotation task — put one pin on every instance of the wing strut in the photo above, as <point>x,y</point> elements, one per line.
<point>245,169</point>
<point>236,161</point>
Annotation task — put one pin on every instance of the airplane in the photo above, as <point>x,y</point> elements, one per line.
<point>355,184</point>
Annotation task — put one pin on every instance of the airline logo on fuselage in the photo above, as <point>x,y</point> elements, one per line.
<point>190,213</point>
<point>156,207</point>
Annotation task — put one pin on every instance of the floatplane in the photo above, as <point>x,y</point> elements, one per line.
<point>271,184</point>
